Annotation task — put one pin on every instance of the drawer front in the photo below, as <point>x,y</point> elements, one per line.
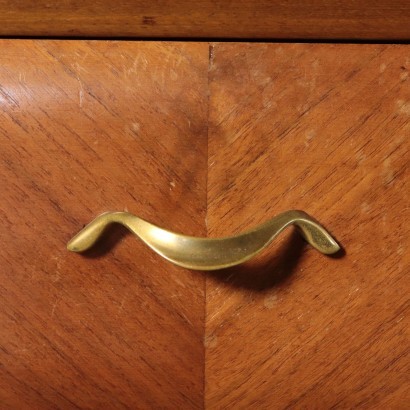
<point>203,139</point>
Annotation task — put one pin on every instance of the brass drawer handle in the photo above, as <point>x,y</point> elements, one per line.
<point>207,253</point>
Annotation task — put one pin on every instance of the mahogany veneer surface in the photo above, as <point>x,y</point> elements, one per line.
<point>87,127</point>
<point>263,19</point>
<point>323,128</point>
<point>203,139</point>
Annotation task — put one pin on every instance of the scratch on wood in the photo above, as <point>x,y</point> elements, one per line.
<point>80,91</point>
<point>55,305</point>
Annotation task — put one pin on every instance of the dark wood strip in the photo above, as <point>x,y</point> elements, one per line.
<point>314,19</point>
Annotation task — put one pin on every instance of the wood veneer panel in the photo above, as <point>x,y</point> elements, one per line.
<point>87,127</point>
<point>323,128</point>
<point>320,19</point>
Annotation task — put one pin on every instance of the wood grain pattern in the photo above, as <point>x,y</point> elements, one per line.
<point>263,19</point>
<point>323,128</point>
<point>87,127</point>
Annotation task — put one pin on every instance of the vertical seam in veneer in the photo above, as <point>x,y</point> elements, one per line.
<point>210,57</point>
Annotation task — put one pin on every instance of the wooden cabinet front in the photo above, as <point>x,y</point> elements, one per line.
<point>203,139</point>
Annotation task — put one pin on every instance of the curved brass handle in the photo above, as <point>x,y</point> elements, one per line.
<point>207,253</point>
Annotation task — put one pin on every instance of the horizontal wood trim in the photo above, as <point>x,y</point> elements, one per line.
<point>314,19</point>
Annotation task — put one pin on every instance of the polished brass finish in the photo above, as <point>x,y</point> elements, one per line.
<point>207,253</point>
